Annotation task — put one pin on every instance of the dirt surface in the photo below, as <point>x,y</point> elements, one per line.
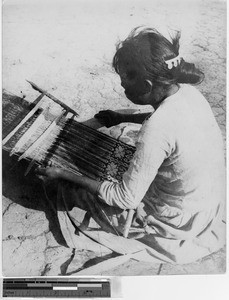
<point>66,47</point>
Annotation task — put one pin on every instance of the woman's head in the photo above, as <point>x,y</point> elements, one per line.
<point>140,60</point>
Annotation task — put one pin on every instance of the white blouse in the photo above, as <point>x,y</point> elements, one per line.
<point>178,168</point>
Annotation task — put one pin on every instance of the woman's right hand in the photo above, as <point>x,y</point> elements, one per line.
<point>49,173</point>
<point>109,118</point>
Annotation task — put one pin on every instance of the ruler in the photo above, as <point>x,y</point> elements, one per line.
<point>57,287</point>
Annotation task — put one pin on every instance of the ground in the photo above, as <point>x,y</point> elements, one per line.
<point>66,47</point>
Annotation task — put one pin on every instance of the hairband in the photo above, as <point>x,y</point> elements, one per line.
<point>174,62</point>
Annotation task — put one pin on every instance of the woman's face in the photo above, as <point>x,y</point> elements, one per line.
<point>136,88</point>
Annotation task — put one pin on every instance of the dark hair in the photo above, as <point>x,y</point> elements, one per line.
<point>147,50</point>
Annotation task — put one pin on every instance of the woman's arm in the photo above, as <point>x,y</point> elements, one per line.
<point>134,118</point>
<point>56,173</point>
<point>111,118</point>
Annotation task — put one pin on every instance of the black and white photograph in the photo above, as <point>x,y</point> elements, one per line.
<point>113,138</point>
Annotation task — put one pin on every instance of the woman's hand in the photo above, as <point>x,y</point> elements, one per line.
<point>49,172</point>
<point>109,118</point>
<point>52,173</point>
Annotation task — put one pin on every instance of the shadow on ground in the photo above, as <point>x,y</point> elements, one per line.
<point>28,191</point>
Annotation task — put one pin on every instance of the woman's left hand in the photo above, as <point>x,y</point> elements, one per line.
<point>109,117</point>
<point>49,172</point>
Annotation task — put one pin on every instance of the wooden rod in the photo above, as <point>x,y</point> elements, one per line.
<point>128,222</point>
<point>35,87</point>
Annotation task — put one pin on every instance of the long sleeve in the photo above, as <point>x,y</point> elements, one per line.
<point>151,150</point>
<point>178,171</point>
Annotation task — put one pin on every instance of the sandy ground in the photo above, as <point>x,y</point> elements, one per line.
<point>66,47</point>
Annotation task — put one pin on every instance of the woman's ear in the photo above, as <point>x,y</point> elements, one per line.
<point>149,86</point>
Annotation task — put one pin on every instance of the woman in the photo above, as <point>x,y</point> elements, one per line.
<point>176,179</point>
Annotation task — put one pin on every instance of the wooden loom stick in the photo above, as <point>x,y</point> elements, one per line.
<point>66,107</point>
<point>128,222</point>
<point>38,98</point>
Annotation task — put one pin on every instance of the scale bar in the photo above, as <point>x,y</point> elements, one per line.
<point>56,288</point>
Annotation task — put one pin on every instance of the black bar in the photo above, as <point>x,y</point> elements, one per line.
<point>13,287</point>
